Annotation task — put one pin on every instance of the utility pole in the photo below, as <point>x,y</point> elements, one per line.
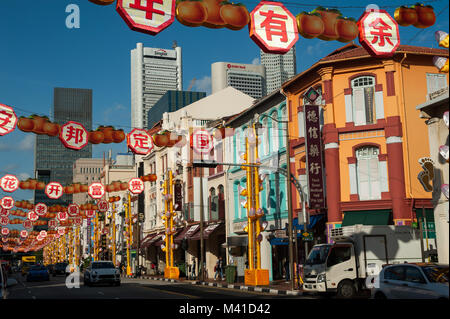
<point>201,227</point>
<point>289,198</point>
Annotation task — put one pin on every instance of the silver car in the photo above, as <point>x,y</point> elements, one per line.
<point>101,272</point>
<point>412,281</point>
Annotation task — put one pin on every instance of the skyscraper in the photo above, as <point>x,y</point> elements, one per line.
<point>279,68</point>
<point>52,161</point>
<point>153,72</point>
<point>247,78</point>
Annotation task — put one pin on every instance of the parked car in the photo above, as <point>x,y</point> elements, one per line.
<point>412,281</point>
<point>38,273</point>
<point>59,269</point>
<point>102,272</point>
<point>3,281</point>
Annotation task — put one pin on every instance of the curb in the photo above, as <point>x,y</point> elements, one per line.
<point>229,286</point>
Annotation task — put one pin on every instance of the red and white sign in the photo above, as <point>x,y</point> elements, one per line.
<point>8,119</point>
<point>27,224</point>
<point>102,206</point>
<point>54,190</point>
<point>40,209</point>
<point>139,141</point>
<point>5,231</point>
<point>73,135</point>
<point>7,202</point>
<point>23,233</point>
<point>4,212</point>
<point>52,223</point>
<point>136,185</point>
<point>61,230</point>
<point>39,237</point>
<point>96,190</point>
<point>273,28</point>
<point>62,216</point>
<point>32,216</point>
<point>150,17</point>
<point>43,233</point>
<point>201,141</point>
<point>78,221</point>
<point>90,213</point>
<point>9,183</point>
<point>73,210</point>
<point>378,33</point>
<point>4,220</point>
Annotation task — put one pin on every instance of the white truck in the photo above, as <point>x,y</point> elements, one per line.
<point>356,256</point>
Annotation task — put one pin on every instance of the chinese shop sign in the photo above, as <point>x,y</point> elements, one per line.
<point>54,190</point>
<point>74,136</point>
<point>8,120</point>
<point>96,190</point>
<point>140,142</point>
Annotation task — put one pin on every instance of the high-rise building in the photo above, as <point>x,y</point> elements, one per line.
<point>247,78</point>
<point>86,171</point>
<point>53,162</point>
<point>171,101</point>
<point>279,68</point>
<point>153,72</point>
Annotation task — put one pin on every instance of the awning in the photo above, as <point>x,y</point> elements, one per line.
<point>161,240</point>
<point>207,231</point>
<point>279,241</point>
<point>146,240</point>
<point>155,238</point>
<point>367,217</point>
<point>192,230</point>
<point>313,219</point>
<point>236,241</point>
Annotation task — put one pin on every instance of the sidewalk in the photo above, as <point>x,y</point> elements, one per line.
<point>278,287</point>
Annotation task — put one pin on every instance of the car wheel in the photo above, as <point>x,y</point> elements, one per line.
<point>380,295</point>
<point>346,289</point>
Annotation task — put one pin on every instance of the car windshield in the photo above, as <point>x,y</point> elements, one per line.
<point>38,268</point>
<point>436,273</point>
<point>102,265</point>
<point>318,255</point>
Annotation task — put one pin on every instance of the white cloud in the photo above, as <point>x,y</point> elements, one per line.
<point>204,84</point>
<point>256,61</point>
<point>23,176</point>
<point>27,143</point>
<point>111,110</point>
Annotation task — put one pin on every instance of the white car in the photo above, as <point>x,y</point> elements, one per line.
<point>102,272</point>
<point>412,281</point>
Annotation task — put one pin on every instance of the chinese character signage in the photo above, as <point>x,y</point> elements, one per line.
<point>139,141</point>
<point>314,167</point>
<point>40,209</point>
<point>73,210</point>
<point>9,183</point>
<point>148,16</point>
<point>7,202</point>
<point>73,135</point>
<point>136,185</point>
<point>54,190</point>
<point>32,216</point>
<point>4,220</point>
<point>178,197</point>
<point>8,120</point>
<point>201,141</point>
<point>96,190</point>
<point>102,206</point>
<point>378,33</point>
<point>273,28</point>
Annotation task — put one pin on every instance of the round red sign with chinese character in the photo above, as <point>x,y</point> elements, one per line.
<point>102,205</point>
<point>139,141</point>
<point>43,233</point>
<point>73,210</point>
<point>378,33</point>
<point>96,190</point>
<point>90,213</point>
<point>32,216</point>
<point>8,119</point>
<point>73,135</point>
<point>9,183</point>
<point>61,230</point>
<point>40,209</point>
<point>62,216</point>
<point>27,224</point>
<point>4,212</point>
<point>201,141</point>
<point>150,17</point>
<point>78,221</point>
<point>52,223</point>
<point>4,220</point>
<point>23,233</point>
<point>273,28</point>
<point>7,202</point>
<point>54,190</point>
<point>5,231</point>
<point>136,185</point>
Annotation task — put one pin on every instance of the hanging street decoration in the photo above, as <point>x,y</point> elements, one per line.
<point>441,62</point>
<point>73,135</point>
<point>27,224</point>
<point>90,213</point>
<point>136,186</point>
<point>62,216</point>
<point>54,190</point>
<point>40,209</point>
<point>5,231</point>
<point>139,141</point>
<point>378,33</point>
<point>73,210</point>
<point>7,203</point>
<point>273,28</point>
<point>96,190</point>
<point>39,125</point>
<point>103,206</point>
<point>52,224</point>
<point>32,216</point>
<point>151,16</point>
<point>201,141</point>
<point>106,135</point>
<point>4,212</point>
<point>9,183</point>
<point>8,119</point>
<point>418,15</point>
<point>4,220</point>
<point>102,2</point>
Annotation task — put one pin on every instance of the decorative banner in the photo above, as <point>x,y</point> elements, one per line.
<point>4,212</point>
<point>148,18</point>
<point>136,186</point>
<point>139,141</point>
<point>43,234</point>
<point>96,190</point>
<point>201,141</point>
<point>41,209</point>
<point>54,190</point>
<point>8,119</point>
<point>23,233</point>
<point>9,183</point>
<point>52,223</point>
<point>5,231</point>
<point>61,230</point>
<point>4,220</point>
<point>273,28</point>
<point>7,202</point>
<point>73,135</point>
<point>27,224</point>
<point>103,206</point>
<point>73,210</point>
<point>378,33</point>
<point>418,15</point>
<point>78,221</point>
<point>90,213</point>
<point>62,216</point>
<point>314,162</point>
<point>32,216</point>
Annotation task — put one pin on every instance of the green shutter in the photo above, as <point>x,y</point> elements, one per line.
<point>367,217</point>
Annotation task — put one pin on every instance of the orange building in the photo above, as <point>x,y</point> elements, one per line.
<point>372,135</point>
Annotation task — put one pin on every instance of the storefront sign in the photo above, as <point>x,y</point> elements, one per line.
<point>314,158</point>
<point>178,198</point>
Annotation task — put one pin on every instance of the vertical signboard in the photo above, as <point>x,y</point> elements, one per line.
<point>314,166</point>
<point>178,197</point>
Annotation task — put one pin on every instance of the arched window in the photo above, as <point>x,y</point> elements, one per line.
<point>363,89</point>
<point>265,139</point>
<point>275,131</point>
<point>282,127</point>
<point>368,175</point>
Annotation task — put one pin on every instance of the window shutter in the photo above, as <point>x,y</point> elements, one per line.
<point>368,101</point>
<point>374,172</point>
<point>435,82</point>
<point>359,106</point>
<point>363,179</point>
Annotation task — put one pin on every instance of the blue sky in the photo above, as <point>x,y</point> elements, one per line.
<point>38,52</point>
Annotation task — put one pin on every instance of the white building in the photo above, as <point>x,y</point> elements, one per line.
<point>279,68</point>
<point>153,72</point>
<point>247,78</point>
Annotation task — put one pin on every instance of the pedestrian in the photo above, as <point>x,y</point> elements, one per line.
<point>218,268</point>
